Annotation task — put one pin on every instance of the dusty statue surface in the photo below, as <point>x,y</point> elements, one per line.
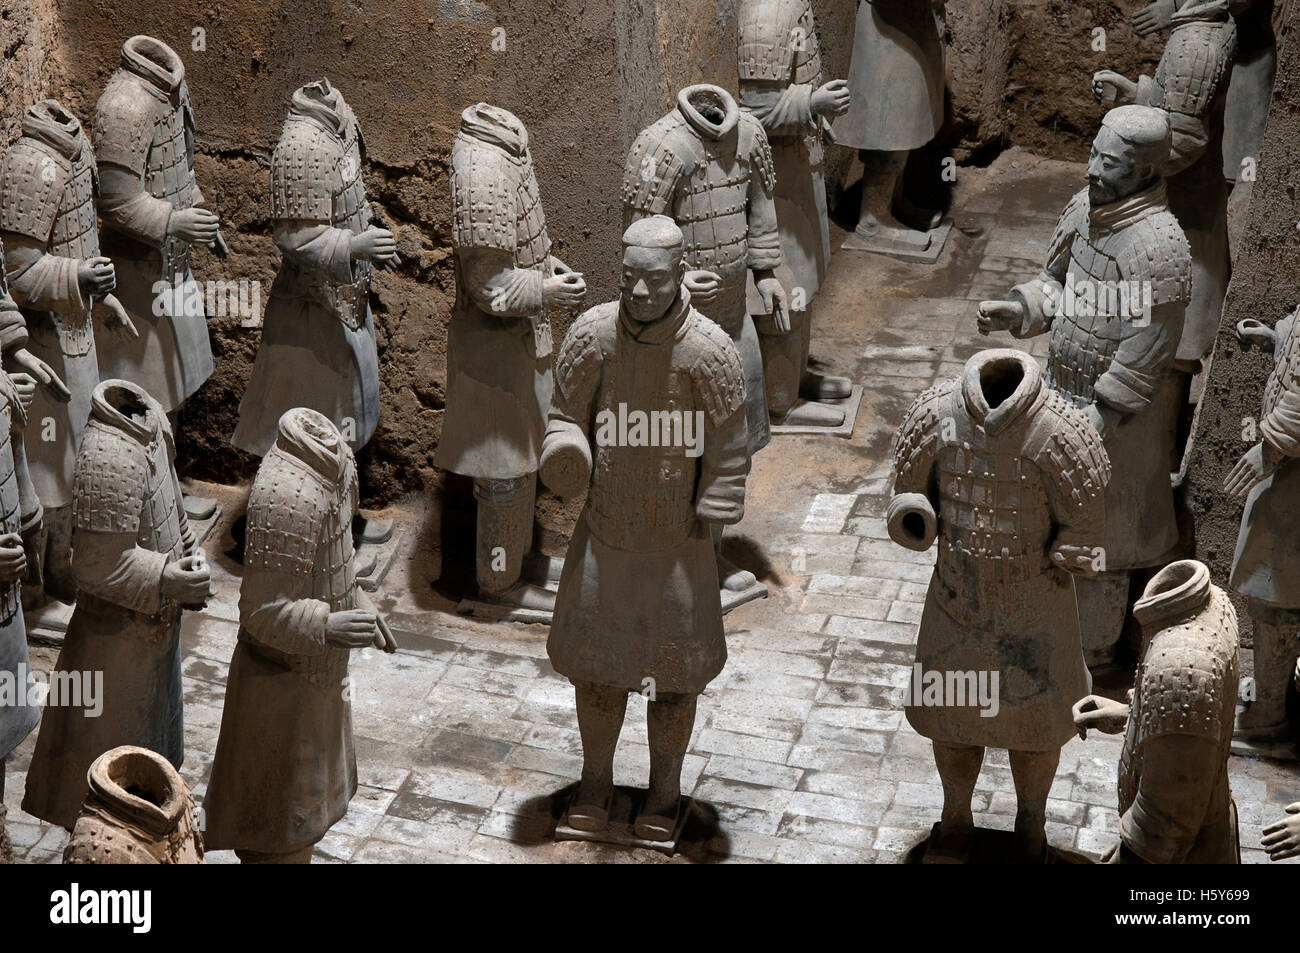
<point>1191,83</point>
<point>152,212</point>
<point>318,335</point>
<point>639,608</point>
<point>138,811</point>
<point>48,224</point>
<point>1265,566</point>
<point>18,718</point>
<point>136,569</point>
<point>499,342</point>
<point>1175,804</point>
<point>1010,478</point>
<point>1112,295</point>
<point>781,86</point>
<point>896,84</point>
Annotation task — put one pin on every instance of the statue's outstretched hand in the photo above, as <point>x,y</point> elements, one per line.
<point>1281,839</point>
<point>1103,714</point>
<point>999,316</point>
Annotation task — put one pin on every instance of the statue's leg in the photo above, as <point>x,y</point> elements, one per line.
<point>505,533</point>
<point>59,580</point>
<point>36,544</point>
<point>600,719</point>
<point>785,362</point>
<point>882,173</point>
<point>197,508</point>
<point>1032,772</point>
<point>959,769</point>
<point>1103,606</point>
<point>814,386</point>
<point>1277,637</point>
<point>670,718</point>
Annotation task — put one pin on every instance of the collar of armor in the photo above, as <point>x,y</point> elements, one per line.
<point>496,126</point>
<point>1179,590</point>
<point>48,122</point>
<point>990,367</point>
<point>1200,11</point>
<point>312,438</point>
<point>1123,213</point>
<point>115,777</point>
<point>112,394</point>
<point>666,329</point>
<point>323,104</point>
<point>155,61</point>
<point>692,98</point>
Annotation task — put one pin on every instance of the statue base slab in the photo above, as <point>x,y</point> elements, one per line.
<point>927,255</point>
<point>847,405</point>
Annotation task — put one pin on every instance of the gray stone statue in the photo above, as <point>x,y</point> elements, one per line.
<point>896,80</point>
<point>1191,84</point>
<point>1112,295</point>
<point>1265,566</point>
<point>499,343</point>
<point>48,224</point>
<point>638,608</point>
<point>1175,804</point>
<point>285,768</point>
<point>708,165</point>
<point>153,214</point>
<point>1011,479</point>
<point>781,86</point>
<point>136,568</point>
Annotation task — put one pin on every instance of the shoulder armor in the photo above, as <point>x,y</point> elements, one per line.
<point>770,31</point>
<point>108,480</point>
<point>287,510</point>
<point>32,180</point>
<point>1074,219</point>
<point>124,122</point>
<point>1189,674</point>
<point>661,157</point>
<point>579,360</point>
<point>756,149</point>
<point>1155,251</point>
<point>484,196</point>
<point>1063,444</point>
<point>1195,65</point>
<point>920,437</point>
<point>303,167</point>
<point>716,371</point>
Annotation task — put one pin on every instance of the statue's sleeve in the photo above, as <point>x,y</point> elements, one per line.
<point>111,566</point>
<point>271,614</point>
<point>764,240</point>
<point>1142,361</point>
<point>13,326</point>
<point>1041,298</point>
<point>126,206</point>
<point>496,286</point>
<point>42,281</point>
<point>783,110</point>
<point>719,381</point>
<point>1165,818</point>
<point>1281,426</point>
<point>317,247</point>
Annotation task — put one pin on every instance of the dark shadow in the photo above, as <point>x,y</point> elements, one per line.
<point>748,554</point>
<point>995,847</point>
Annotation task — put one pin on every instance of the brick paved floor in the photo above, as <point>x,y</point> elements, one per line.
<point>800,753</point>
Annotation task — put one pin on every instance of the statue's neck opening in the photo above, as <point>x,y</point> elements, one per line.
<point>1000,380</point>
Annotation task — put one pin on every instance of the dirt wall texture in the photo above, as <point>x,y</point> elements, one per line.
<point>1265,285</point>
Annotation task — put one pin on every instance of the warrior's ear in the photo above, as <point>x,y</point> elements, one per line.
<point>681,267</point>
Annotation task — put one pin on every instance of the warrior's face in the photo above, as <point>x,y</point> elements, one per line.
<point>652,278</point>
<point>1115,169</point>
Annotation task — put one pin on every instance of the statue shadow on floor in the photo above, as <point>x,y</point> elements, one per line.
<point>995,847</point>
<point>748,554</point>
<point>701,840</point>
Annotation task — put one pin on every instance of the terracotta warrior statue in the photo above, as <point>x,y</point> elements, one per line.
<point>781,86</point>
<point>1266,566</point>
<point>708,166</point>
<point>1011,479</point>
<point>1191,84</point>
<point>896,79</point>
<point>138,811</point>
<point>285,769</point>
<point>499,343</point>
<point>1112,295</point>
<point>1174,802</point>
<point>153,214</point>
<point>136,568</point>
<point>17,716</point>
<point>48,183</point>
<point>639,608</point>
<point>318,337</point>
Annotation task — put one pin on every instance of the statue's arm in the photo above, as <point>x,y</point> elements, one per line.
<point>724,466</point>
<point>496,286</point>
<point>1173,796</point>
<point>316,246</point>
<point>111,566</point>
<point>271,615</point>
<point>126,206</point>
<point>783,109</point>
<point>1141,363</point>
<point>42,281</point>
